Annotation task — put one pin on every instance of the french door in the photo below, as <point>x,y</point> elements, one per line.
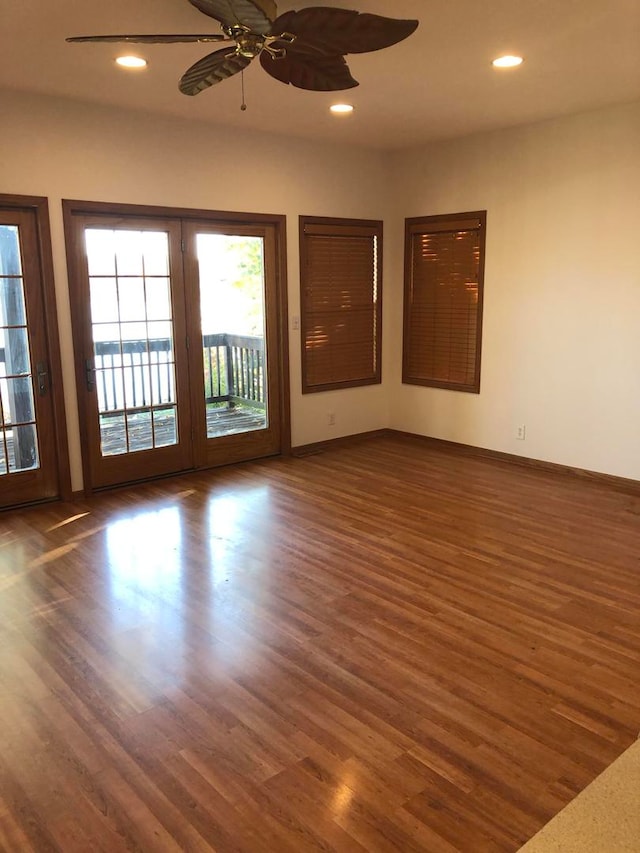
<point>230,270</point>
<point>33,451</point>
<point>178,341</point>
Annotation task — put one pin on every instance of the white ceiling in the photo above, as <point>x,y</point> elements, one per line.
<point>580,54</point>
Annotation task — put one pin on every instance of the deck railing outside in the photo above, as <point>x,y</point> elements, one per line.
<point>133,376</point>
<point>234,369</point>
<point>141,373</point>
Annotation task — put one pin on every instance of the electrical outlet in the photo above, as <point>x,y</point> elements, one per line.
<point>521,432</point>
<point>331,419</point>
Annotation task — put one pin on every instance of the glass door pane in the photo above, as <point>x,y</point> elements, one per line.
<point>18,428</point>
<point>134,365</point>
<point>232,312</point>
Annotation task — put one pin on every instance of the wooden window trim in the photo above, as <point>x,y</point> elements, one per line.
<point>337,227</point>
<point>474,220</point>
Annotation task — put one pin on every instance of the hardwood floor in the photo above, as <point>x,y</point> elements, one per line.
<point>383,647</point>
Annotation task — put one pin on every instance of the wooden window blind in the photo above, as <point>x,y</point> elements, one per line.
<point>444,274</point>
<point>341,302</point>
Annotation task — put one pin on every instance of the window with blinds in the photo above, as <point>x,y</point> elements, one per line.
<point>444,271</point>
<point>341,302</point>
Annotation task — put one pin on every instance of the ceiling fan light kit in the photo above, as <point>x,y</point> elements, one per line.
<point>304,48</point>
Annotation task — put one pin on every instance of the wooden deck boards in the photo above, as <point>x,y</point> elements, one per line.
<point>382,647</point>
<point>220,421</point>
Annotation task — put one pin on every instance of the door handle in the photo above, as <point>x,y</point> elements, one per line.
<point>90,374</point>
<point>42,375</point>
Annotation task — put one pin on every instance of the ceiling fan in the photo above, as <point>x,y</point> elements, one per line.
<point>304,48</point>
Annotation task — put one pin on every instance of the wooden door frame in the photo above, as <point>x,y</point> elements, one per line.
<point>75,207</point>
<point>39,206</point>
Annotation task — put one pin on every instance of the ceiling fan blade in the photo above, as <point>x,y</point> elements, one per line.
<point>256,15</point>
<point>332,31</point>
<point>319,73</point>
<point>168,38</point>
<point>212,69</point>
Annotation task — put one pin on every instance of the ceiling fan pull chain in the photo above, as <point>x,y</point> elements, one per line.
<point>243,105</point>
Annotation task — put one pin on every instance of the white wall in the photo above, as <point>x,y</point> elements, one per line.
<point>61,149</point>
<point>561,338</point>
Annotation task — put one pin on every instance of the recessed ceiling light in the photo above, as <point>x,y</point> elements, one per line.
<point>131,61</point>
<point>341,109</point>
<point>507,61</point>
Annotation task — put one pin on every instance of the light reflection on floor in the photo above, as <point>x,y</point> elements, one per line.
<point>66,521</point>
<point>234,588</point>
<point>153,568</point>
<point>223,519</point>
<point>145,564</point>
<point>144,569</point>
<point>227,515</point>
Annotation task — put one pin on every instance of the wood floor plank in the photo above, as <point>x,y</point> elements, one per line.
<point>385,646</point>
